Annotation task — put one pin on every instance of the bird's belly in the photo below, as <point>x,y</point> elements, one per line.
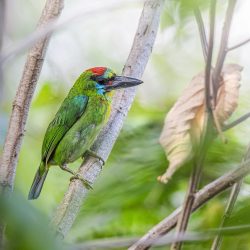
<point>74,144</point>
<point>82,134</point>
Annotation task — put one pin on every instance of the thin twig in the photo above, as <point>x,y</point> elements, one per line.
<point>22,100</point>
<point>209,58</point>
<point>216,78</point>
<point>223,45</point>
<point>124,242</point>
<point>204,45</point>
<point>141,49</point>
<point>208,65</point>
<point>201,197</point>
<point>228,211</point>
<point>236,122</point>
<point>202,31</point>
<point>202,148</point>
<point>230,206</point>
<point>238,45</point>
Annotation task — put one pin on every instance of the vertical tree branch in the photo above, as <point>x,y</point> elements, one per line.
<point>2,27</point>
<point>135,65</point>
<point>183,214</point>
<point>202,31</point>
<point>223,45</point>
<point>202,147</point>
<point>23,98</point>
<point>220,60</point>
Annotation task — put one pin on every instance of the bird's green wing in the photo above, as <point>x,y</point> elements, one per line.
<point>69,112</point>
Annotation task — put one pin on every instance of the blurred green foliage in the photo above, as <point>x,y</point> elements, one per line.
<point>127,200</point>
<point>177,12</point>
<point>27,228</point>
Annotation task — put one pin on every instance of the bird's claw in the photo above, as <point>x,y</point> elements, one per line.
<point>101,160</point>
<point>85,182</point>
<point>93,154</point>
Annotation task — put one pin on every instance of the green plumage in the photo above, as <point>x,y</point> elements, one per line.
<point>77,122</point>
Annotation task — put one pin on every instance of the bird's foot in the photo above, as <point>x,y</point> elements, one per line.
<point>95,155</point>
<point>85,182</point>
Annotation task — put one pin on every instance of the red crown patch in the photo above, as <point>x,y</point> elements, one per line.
<point>98,70</point>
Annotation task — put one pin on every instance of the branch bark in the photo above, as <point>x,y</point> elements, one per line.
<point>2,25</point>
<point>23,98</point>
<point>223,45</point>
<point>135,65</point>
<point>22,101</point>
<point>204,195</point>
<point>202,31</point>
<point>2,28</point>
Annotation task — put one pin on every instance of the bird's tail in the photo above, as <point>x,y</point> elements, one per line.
<point>38,181</point>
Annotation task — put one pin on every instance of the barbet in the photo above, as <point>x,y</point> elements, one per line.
<point>78,122</point>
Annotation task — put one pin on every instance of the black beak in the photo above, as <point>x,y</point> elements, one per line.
<point>123,82</point>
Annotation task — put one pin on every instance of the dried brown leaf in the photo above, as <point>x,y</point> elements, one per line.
<point>228,94</point>
<point>185,121</point>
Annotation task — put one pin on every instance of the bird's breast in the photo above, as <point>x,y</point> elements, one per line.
<point>82,134</point>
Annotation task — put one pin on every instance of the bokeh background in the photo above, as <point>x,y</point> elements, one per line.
<point>127,200</point>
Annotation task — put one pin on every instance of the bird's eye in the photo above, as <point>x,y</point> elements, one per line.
<point>93,77</point>
<point>102,82</point>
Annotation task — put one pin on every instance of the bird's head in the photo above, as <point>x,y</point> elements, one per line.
<point>104,80</point>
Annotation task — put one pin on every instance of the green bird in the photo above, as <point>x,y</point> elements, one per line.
<point>78,122</point>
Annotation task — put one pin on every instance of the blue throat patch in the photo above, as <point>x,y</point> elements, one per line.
<point>100,89</point>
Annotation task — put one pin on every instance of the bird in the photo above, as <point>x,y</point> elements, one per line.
<point>80,118</point>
